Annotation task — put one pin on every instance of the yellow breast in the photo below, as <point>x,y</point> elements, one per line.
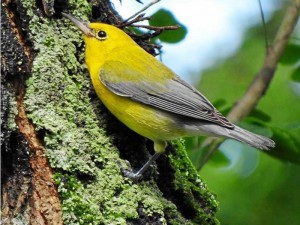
<point>144,120</point>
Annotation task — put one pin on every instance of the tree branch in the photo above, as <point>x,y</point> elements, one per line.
<point>263,78</point>
<point>261,82</point>
<point>142,10</point>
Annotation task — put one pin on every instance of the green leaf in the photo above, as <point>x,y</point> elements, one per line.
<point>193,147</point>
<point>296,74</point>
<point>164,17</point>
<point>256,127</point>
<point>260,115</point>
<point>291,54</point>
<point>220,103</point>
<point>201,149</point>
<point>287,146</point>
<point>256,120</point>
<point>219,159</point>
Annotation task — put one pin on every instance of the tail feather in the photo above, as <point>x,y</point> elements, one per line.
<point>250,138</point>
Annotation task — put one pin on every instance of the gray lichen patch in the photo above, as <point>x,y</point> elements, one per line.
<point>12,111</point>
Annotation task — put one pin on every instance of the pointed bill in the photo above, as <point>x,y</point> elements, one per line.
<point>81,25</point>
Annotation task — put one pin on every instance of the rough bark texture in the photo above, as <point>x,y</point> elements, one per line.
<point>61,147</point>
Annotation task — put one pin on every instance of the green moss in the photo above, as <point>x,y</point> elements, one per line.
<point>76,206</point>
<point>57,102</point>
<point>190,184</point>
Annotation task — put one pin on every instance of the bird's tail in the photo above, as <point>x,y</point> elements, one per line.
<point>250,138</point>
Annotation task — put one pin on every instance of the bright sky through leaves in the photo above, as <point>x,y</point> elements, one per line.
<point>215,29</point>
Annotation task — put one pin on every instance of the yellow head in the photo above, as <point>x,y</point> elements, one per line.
<point>100,39</point>
<point>106,37</point>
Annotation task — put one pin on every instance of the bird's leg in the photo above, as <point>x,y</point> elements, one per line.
<point>136,176</point>
<point>159,148</point>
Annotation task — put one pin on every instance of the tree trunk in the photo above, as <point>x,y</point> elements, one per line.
<point>61,148</point>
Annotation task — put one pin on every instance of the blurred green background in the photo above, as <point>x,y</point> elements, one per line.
<point>251,186</point>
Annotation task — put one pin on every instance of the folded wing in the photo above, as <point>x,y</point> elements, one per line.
<point>168,93</point>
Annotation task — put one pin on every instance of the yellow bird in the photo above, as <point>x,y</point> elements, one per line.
<point>147,96</point>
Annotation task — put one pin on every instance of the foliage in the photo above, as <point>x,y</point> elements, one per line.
<point>247,180</point>
<point>164,17</point>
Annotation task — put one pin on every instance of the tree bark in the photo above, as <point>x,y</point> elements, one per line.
<point>61,147</point>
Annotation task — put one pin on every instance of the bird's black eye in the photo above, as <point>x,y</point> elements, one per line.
<point>101,35</point>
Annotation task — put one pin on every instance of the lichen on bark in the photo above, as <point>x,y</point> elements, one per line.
<point>84,148</point>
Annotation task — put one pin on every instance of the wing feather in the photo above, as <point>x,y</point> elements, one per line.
<point>171,95</point>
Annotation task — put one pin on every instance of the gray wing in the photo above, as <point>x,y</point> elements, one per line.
<point>173,95</point>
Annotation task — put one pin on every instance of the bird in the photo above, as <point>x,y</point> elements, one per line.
<point>148,97</point>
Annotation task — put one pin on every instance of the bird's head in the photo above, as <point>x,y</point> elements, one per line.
<point>101,37</point>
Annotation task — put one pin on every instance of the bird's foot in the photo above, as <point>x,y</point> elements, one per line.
<point>129,172</point>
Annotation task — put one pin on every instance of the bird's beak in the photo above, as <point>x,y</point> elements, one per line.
<point>81,25</point>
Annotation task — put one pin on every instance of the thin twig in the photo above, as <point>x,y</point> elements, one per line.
<point>157,30</point>
<point>139,18</point>
<point>173,27</point>
<point>145,36</point>
<point>142,10</point>
<point>151,48</point>
<point>264,24</point>
<point>261,82</point>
